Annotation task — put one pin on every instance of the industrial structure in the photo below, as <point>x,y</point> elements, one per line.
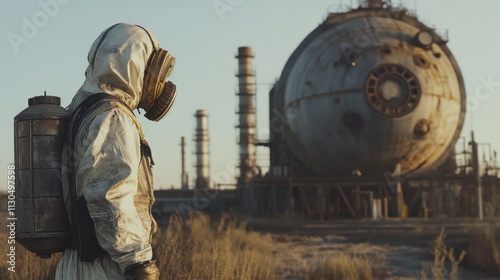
<point>368,104</point>
<point>246,115</point>
<point>365,121</point>
<point>184,172</point>
<point>202,153</point>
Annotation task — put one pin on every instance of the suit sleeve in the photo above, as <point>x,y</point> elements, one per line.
<point>108,179</point>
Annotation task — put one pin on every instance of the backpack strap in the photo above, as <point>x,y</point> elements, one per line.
<point>105,106</point>
<point>97,104</point>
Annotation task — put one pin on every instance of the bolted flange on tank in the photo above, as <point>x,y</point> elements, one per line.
<point>40,132</point>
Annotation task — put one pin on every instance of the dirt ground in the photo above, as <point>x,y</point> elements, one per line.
<point>401,246</point>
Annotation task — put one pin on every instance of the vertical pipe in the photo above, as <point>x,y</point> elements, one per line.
<point>399,192</point>
<point>274,200</point>
<point>184,174</point>
<point>357,201</point>
<point>246,113</point>
<point>386,208</point>
<point>290,197</point>
<point>477,177</point>
<point>202,159</point>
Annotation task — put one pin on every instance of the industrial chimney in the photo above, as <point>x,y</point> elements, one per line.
<point>246,113</point>
<point>184,174</point>
<point>202,161</point>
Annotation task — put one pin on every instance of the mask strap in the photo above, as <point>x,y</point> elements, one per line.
<point>149,35</point>
<point>99,44</point>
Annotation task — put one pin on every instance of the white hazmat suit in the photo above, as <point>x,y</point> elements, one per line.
<point>112,172</point>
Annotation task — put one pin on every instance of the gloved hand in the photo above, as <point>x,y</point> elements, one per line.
<point>142,271</point>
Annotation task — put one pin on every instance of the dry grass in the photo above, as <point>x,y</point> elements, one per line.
<point>28,265</point>
<point>309,257</point>
<point>437,270</point>
<point>193,250</point>
<point>199,250</point>
<point>483,252</point>
<point>347,266</point>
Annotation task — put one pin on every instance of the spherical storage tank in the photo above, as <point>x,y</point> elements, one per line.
<point>370,89</point>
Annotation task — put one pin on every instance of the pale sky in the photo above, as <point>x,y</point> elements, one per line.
<point>52,56</point>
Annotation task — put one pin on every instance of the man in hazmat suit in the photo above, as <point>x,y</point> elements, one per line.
<point>108,167</point>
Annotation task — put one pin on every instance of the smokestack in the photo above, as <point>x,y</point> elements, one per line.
<point>184,175</point>
<point>246,112</point>
<point>201,139</point>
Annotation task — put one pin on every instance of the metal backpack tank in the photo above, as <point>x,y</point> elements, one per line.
<point>40,131</point>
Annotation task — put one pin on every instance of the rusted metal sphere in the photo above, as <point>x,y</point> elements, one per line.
<point>369,89</point>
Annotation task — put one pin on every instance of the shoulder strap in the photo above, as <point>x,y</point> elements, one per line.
<point>117,103</point>
<point>97,104</point>
<point>93,105</point>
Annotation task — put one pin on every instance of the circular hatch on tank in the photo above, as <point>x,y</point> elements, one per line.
<point>392,90</point>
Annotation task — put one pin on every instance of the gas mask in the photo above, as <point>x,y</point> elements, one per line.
<point>158,95</point>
